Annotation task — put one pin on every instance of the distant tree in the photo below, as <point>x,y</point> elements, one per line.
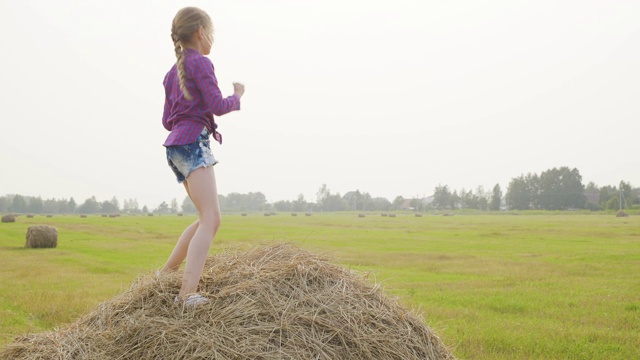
<point>18,205</point>
<point>322,195</point>
<point>90,206</point>
<point>380,204</point>
<point>187,206</point>
<point>71,206</point>
<point>442,197</point>
<point>397,202</point>
<point>561,188</point>
<point>51,206</point>
<point>519,194</point>
<point>496,198</point>
<point>130,206</point>
<point>108,207</point>
<point>145,209</point>
<point>300,204</point>
<point>5,202</point>
<point>627,193</point>
<point>36,205</point>
<point>174,206</point>
<point>282,205</point>
<point>163,208</point>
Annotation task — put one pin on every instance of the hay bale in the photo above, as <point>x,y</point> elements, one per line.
<point>418,215</point>
<point>9,218</point>
<point>180,214</point>
<point>447,214</point>
<point>267,214</point>
<point>149,214</point>
<point>49,216</point>
<point>42,236</point>
<point>361,215</point>
<point>29,216</point>
<point>307,214</point>
<point>294,214</point>
<point>392,215</point>
<point>384,214</point>
<point>621,213</point>
<point>112,215</point>
<point>275,302</point>
<point>243,214</point>
<point>83,216</point>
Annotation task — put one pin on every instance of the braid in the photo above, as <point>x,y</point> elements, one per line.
<point>180,65</point>
<point>186,22</point>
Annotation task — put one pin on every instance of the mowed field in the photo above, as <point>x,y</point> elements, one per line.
<point>493,286</point>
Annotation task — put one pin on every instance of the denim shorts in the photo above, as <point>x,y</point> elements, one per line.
<point>183,159</point>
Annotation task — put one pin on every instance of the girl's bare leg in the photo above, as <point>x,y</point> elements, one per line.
<point>180,250</point>
<point>201,186</point>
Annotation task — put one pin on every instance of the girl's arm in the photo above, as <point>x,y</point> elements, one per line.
<point>205,79</point>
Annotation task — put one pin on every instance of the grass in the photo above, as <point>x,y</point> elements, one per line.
<point>493,286</point>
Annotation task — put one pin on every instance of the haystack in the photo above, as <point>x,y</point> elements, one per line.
<point>42,236</point>
<point>8,218</point>
<point>275,302</point>
<point>621,213</point>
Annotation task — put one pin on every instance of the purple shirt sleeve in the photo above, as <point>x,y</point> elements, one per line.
<point>205,79</point>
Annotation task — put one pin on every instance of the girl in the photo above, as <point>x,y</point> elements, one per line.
<point>192,98</point>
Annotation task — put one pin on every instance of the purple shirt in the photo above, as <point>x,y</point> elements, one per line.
<point>187,118</point>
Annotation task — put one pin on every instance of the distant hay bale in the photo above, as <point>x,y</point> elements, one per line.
<point>272,302</point>
<point>180,214</point>
<point>447,214</point>
<point>621,213</point>
<point>29,216</point>
<point>307,214</point>
<point>112,215</point>
<point>267,214</point>
<point>384,214</point>
<point>103,215</point>
<point>9,218</point>
<point>392,215</point>
<point>42,236</point>
<point>294,214</point>
<point>243,214</point>
<point>361,215</point>
<point>149,214</point>
<point>83,216</point>
<point>49,215</point>
<point>418,215</point>
<point>273,213</point>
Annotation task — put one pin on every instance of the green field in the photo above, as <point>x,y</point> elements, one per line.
<point>493,286</point>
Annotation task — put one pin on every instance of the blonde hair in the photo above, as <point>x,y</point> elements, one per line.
<point>186,22</point>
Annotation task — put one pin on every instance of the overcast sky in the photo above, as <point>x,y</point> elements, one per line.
<point>388,97</point>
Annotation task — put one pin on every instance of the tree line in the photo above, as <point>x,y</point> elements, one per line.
<point>553,189</point>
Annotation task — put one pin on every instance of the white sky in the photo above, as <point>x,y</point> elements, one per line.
<point>388,97</point>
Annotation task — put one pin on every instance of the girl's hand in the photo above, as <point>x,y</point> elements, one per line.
<point>238,89</point>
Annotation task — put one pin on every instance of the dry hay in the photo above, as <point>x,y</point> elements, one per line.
<point>418,215</point>
<point>29,216</point>
<point>83,216</point>
<point>384,214</point>
<point>361,215</point>
<point>621,213</point>
<point>243,214</point>
<point>294,214</point>
<point>42,236</point>
<point>392,215</point>
<point>49,216</point>
<point>8,218</point>
<point>307,214</point>
<point>272,302</point>
<point>149,214</point>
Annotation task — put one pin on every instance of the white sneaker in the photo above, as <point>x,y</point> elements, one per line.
<point>193,300</point>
